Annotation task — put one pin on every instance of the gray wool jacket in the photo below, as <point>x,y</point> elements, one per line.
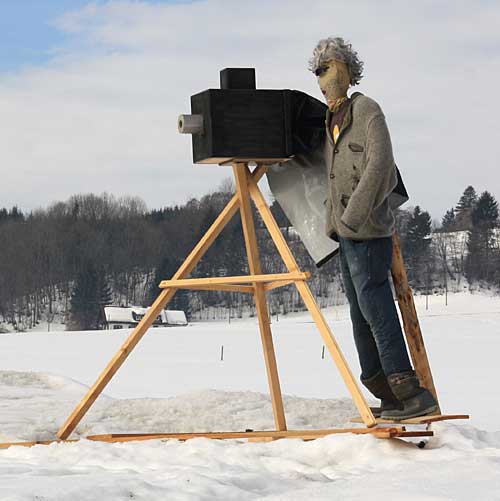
<point>361,173</point>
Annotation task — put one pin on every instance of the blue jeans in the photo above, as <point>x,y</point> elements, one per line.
<point>377,332</point>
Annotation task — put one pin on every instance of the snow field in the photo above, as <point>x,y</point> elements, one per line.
<point>175,381</point>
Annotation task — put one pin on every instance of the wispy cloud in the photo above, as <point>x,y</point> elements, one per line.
<point>101,116</point>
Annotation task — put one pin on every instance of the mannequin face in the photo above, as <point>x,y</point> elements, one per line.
<point>333,79</point>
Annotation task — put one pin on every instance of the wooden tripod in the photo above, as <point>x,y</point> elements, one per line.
<point>257,284</point>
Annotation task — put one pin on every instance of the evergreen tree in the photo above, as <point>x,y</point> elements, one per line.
<point>482,255</point>
<point>467,200</point>
<point>104,296</point>
<point>485,212</point>
<point>417,243</point>
<point>418,229</point>
<point>464,208</point>
<point>164,271</point>
<point>449,220</point>
<point>85,307</point>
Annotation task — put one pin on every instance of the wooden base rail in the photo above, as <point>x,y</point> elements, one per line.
<point>251,436</point>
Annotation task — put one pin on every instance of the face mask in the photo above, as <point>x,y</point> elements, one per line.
<point>334,80</point>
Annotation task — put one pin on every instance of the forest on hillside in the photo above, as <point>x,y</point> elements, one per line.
<point>65,262</point>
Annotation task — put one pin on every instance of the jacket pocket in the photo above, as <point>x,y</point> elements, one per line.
<point>357,148</point>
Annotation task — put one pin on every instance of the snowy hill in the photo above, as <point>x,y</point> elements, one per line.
<point>175,381</point>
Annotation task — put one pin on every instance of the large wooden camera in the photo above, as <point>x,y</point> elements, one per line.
<point>240,123</point>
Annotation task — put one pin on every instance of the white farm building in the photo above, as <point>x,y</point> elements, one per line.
<point>121,317</point>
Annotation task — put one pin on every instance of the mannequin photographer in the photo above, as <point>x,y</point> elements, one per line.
<point>361,174</point>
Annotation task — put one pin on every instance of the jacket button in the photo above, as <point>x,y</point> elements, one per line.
<point>336,150</point>
<point>332,176</point>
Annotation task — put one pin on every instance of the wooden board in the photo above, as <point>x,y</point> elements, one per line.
<point>391,432</point>
<point>411,324</point>
<point>417,420</point>
<point>247,289</point>
<point>275,285</point>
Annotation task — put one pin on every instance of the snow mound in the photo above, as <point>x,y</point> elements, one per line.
<point>461,462</point>
<point>41,403</point>
<point>34,405</point>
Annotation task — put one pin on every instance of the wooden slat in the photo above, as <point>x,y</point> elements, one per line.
<point>247,289</point>
<point>274,285</point>
<point>242,177</point>
<point>252,278</point>
<point>411,324</point>
<point>418,420</point>
<point>165,296</point>
<point>311,305</point>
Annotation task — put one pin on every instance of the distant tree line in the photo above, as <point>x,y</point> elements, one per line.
<point>66,262</point>
<point>466,243</point>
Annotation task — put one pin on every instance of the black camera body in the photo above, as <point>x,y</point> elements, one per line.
<point>240,123</point>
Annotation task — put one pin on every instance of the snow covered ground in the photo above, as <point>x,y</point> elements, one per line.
<point>175,381</point>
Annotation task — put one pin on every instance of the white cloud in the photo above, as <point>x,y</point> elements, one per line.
<point>102,115</point>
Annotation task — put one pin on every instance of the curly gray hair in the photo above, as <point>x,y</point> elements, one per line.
<point>335,48</point>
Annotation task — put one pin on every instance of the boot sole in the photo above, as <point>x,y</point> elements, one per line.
<point>426,412</point>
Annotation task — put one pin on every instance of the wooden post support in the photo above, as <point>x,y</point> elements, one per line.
<point>410,320</point>
<point>311,305</point>
<point>241,174</point>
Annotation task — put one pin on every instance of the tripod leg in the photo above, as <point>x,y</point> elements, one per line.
<point>242,178</point>
<point>160,303</point>
<point>311,305</point>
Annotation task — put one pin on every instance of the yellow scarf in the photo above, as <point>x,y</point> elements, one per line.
<point>338,103</point>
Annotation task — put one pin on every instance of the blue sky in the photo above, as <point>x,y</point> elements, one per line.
<point>27,33</point>
<point>90,92</point>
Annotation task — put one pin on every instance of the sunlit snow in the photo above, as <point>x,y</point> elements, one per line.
<point>175,380</point>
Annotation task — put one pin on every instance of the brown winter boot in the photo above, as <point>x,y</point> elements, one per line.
<point>416,401</point>
<point>378,386</point>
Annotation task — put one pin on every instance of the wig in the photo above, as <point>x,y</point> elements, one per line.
<point>335,48</point>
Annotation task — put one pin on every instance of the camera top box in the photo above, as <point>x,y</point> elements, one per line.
<point>241,123</point>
